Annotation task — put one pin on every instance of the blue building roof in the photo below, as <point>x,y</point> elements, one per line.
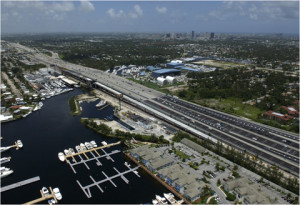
<point>172,65</point>
<point>151,68</point>
<point>143,73</point>
<point>161,71</point>
<point>187,68</point>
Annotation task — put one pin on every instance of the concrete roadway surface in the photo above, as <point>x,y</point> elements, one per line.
<point>229,138</point>
<point>277,146</point>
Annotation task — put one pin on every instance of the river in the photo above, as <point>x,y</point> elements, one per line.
<point>52,129</point>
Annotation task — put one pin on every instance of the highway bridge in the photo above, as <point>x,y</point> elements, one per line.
<point>270,144</point>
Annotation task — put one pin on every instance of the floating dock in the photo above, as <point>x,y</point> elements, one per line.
<point>92,151</point>
<point>84,161</point>
<point>43,198</point>
<point>21,183</point>
<point>86,189</point>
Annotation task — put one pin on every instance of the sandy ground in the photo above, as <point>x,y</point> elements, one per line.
<point>11,85</point>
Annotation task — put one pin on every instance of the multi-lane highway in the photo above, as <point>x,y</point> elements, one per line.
<point>271,144</point>
<point>231,130</point>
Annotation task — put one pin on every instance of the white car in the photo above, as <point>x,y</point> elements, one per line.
<point>57,193</point>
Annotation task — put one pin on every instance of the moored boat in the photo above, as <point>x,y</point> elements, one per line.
<point>61,156</point>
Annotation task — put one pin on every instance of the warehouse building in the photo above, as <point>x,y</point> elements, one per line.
<point>165,72</point>
<point>174,64</point>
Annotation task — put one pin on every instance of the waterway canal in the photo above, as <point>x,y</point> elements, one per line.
<point>52,129</point>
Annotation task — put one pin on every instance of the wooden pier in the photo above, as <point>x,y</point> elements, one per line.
<point>21,183</point>
<point>92,149</point>
<point>43,197</point>
<point>86,189</point>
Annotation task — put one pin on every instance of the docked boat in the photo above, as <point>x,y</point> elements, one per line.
<point>155,202</point>
<point>170,198</point>
<point>82,146</point>
<point>101,104</point>
<point>78,149</point>
<point>104,143</point>
<point>72,151</point>
<point>19,143</point>
<point>93,143</point>
<point>5,172</point>
<point>66,152</point>
<point>61,156</point>
<point>51,201</point>
<point>57,193</point>
<point>4,159</point>
<point>45,191</point>
<point>161,200</point>
<point>2,149</point>
<point>36,108</point>
<point>88,145</point>
<point>40,105</point>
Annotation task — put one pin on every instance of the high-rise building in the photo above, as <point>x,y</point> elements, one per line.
<point>193,34</point>
<point>212,35</point>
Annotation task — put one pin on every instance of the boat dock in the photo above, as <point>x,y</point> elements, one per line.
<point>95,156</point>
<point>86,189</point>
<point>43,197</point>
<point>21,183</point>
<point>98,163</point>
<point>2,149</point>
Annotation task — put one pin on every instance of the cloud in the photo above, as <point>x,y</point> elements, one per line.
<point>257,10</point>
<point>136,13</point>
<point>111,12</point>
<point>86,6</point>
<point>161,10</point>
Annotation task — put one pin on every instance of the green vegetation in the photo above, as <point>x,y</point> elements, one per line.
<point>230,197</point>
<point>182,155</point>
<point>235,174</point>
<point>155,86</point>
<point>107,131</point>
<point>75,110</point>
<point>194,165</point>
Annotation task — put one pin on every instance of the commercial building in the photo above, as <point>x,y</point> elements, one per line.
<point>174,64</point>
<point>165,72</point>
<point>248,192</point>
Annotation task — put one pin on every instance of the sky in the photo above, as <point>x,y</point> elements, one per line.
<point>150,16</point>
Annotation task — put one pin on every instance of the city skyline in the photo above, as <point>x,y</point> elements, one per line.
<point>201,16</point>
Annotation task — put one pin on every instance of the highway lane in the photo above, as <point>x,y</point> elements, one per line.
<point>233,140</point>
<point>259,128</point>
<point>142,93</point>
<point>216,122</point>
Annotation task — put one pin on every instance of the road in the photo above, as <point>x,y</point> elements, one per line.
<point>271,144</point>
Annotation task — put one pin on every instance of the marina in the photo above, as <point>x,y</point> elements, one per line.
<point>21,183</point>
<point>46,127</point>
<point>86,189</point>
<point>45,195</point>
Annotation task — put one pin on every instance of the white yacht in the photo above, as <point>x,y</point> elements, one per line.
<point>40,105</point>
<point>78,149</point>
<point>57,193</point>
<point>82,146</point>
<point>61,156</point>
<point>45,191</point>
<point>2,149</point>
<point>19,143</point>
<point>88,145</point>
<point>155,202</point>
<point>71,150</point>
<point>66,152</point>
<point>170,198</point>
<point>101,103</point>
<point>161,200</point>
<point>51,201</point>
<point>5,172</point>
<point>93,143</point>
<point>104,143</point>
<point>4,159</point>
